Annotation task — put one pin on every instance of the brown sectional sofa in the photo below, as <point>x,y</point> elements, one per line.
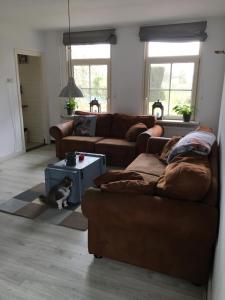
<point>166,235</point>
<point>110,137</point>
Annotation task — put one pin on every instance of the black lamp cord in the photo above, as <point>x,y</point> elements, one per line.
<point>69,48</point>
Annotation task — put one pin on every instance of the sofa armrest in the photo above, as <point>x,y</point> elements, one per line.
<point>152,213</point>
<point>61,130</point>
<point>155,144</point>
<point>142,139</point>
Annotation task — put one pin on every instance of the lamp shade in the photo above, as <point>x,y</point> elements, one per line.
<point>71,90</point>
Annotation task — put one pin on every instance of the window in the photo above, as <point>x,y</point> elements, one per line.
<point>91,67</point>
<point>171,75</point>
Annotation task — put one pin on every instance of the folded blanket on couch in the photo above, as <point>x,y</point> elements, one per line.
<point>199,142</point>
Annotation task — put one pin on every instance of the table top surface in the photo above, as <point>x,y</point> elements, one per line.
<point>88,160</point>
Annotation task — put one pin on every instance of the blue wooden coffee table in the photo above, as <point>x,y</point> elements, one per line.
<point>82,174</point>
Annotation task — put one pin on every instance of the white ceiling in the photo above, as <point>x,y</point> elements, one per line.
<point>52,14</point>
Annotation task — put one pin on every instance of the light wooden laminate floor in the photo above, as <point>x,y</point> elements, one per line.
<point>42,261</point>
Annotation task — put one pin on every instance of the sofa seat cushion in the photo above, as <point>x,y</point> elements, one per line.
<point>148,164</point>
<point>118,151</point>
<point>130,186</point>
<point>116,175</point>
<point>79,143</point>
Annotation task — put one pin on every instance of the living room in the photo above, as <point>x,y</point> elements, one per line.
<point>39,27</point>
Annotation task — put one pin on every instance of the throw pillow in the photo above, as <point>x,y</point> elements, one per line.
<point>204,128</point>
<point>185,179</point>
<point>116,175</point>
<point>168,147</point>
<point>130,186</point>
<point>199,142</point>
<point>84,125</point>
<point>134,131</point>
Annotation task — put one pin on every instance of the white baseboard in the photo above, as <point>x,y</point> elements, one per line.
<point>13,155</point>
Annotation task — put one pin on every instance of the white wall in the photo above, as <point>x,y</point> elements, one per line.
<point>218,281</point>
<point>128,72</point>
<point>10,129</point>
<point>211,74</point>
<point>127,76</point>
<point>55,73</point>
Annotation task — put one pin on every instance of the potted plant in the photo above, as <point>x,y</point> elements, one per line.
<point>184,110</point>
<point>71,105</point>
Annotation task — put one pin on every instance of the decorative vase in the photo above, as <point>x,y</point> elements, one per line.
<point>186,118</point>
<point>69,111</point>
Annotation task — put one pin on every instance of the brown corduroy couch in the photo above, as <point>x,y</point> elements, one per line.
<point>109,138</point>
<point>166,235</point>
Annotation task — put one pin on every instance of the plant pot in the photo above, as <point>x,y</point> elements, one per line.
<point>186,118</point>
<point>69,111</point>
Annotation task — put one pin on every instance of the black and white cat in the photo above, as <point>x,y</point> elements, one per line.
<point>58,194</point>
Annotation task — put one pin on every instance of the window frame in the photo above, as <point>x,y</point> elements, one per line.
<point>171,59</point>
<point>95,61</point>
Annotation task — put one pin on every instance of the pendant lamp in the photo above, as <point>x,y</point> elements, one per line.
<point>70,90</point>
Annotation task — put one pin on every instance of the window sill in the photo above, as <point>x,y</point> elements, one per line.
<point>67,116</point>
<point>177,123</point>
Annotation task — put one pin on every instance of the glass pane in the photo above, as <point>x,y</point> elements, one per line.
<point>182,76</point>
<point>99,94</point>
<point>81,75</point>
<point>163,96</point>
<point>157,49</point>
<point>159,76</point>
<point>99,77</point>
<point>103,105</point>
<point>83,103</point>
<point>90,51</point>
<point>177,98</point>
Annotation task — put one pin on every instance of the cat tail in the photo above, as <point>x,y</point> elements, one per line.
<point>43,199</point>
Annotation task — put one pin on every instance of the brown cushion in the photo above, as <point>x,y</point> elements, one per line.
<point>130,186</point>
<point>119,152</point>
<point>167,148</point>
<point>115,175</point>
<point>79,143</point>
<point>204,128</point>
<point>103,122</point>
<point>148,164</point>
<point>134,131</point>
<point>186,179</point>
<point>122,122</point>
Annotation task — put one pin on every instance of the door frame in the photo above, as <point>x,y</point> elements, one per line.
<point>44,103</point>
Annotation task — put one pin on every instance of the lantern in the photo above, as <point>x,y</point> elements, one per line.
<point>95,103</point>
<point>158,110</point>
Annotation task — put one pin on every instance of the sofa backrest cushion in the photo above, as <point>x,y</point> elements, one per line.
<point>103,122</point>
<point>122,122</point>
